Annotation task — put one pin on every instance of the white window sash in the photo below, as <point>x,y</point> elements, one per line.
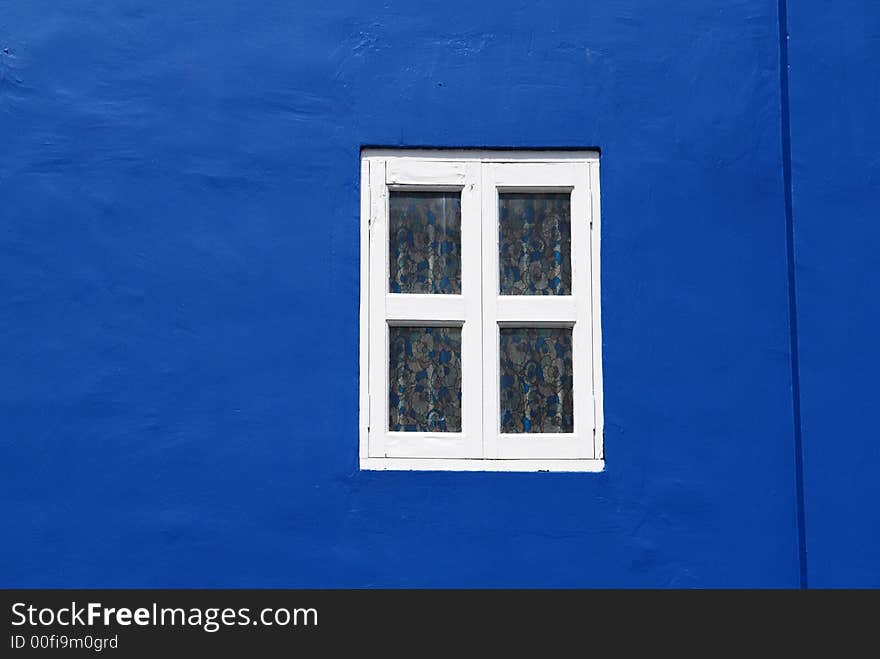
<point>389,309</point>
<point>572,311</point>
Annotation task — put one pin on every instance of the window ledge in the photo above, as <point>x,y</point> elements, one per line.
<point>480,464</point>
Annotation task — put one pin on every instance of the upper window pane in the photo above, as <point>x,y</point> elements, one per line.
<point>425,242</point>
<point>534,243</point>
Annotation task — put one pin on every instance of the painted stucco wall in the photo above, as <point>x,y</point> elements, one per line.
<point>835,138</point>
<point>179,282</point>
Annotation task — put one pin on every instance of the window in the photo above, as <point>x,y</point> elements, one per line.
<point>480,337</point>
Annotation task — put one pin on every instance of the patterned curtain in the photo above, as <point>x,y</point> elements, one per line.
<point>535,243</point>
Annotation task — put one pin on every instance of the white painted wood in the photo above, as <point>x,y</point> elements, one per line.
<point>491,394</point>
<point>596,311</point>
<point>392,464</point>
<point>364,312</point>
<point>531,311</point>
<point>392,309</point>
<point>427,173</point>
<point>433,445</point>
<point>378,329</point>
<point>536,310</point>
<point>412,308</point>
<point>480,311</point>
<point>529,176</point>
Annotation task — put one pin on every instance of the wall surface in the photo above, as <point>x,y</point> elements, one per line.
<point>179,227</point>
<point>835,139</point>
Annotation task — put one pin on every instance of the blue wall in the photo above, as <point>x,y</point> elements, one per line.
<point>835,137</point>
<point>179,282</point>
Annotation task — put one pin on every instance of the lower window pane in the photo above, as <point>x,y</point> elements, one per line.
<point>536,380</point>
<point>424,379</point>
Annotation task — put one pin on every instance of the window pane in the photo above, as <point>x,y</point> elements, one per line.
<point>535,243</point>
<point>425,242</point>
<point>536,380</point>
<point>424,379</point>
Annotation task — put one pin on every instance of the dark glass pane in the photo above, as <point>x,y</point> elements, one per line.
<point>536,380</point>
<point>534,243</point>
<point>425,242</point>
<point>424,379</point>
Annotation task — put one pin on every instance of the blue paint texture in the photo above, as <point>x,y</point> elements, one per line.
<point>835,137</point>
<point>179,284</point>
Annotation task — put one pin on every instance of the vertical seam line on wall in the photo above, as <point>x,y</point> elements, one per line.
<point>792,290</point>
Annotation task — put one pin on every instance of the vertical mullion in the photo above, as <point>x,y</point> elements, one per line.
<point>471,228</point>
<point>489,311</point>
<point>484,429</point>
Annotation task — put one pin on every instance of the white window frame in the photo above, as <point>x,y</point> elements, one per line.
<point>480,311</point>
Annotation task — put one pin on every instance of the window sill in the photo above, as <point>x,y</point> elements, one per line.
<point>456,464</point>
